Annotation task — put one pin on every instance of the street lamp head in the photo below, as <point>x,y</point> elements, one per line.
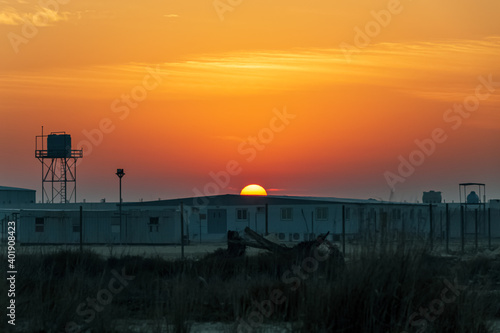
<point>120,173</point>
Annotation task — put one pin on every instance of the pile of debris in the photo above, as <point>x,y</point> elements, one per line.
<point>320,247</point>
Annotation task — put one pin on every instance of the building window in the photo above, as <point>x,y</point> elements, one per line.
<point>76,227</point>
<point>396,214</point>
<point>321,213</point>
<point>203,216</point>
<point>39,224</point>
<point>286,214</point>
<point>242,214</point>
<point>154,223</point>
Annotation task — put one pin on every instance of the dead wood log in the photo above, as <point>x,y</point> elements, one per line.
<point>267,244</point>
<point>236,246</point>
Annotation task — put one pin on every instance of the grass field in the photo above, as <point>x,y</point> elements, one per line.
<point>144,289</point>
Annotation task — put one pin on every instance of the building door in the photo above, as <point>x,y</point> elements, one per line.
<point>217,221</point>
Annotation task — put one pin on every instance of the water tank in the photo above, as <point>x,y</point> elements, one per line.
<point>59,145</point>
<point>473,198</point>
<point>432,197</point>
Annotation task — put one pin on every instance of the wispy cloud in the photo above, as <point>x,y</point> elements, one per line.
<point>9,16</point>
<point>171,15</point>
<point>439,70</point>
<point>39,16</point>
<point>276,189</point>
<point>433,70</point>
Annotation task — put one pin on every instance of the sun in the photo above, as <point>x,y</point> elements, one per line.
<point>253,189</point>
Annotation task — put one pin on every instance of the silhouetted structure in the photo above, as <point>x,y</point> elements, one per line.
<point>473,198</point>
<point>58,166</point>
<point>477,216</point>
<point>14,196</point>
<point>289,219</point>
<point>432,197</point>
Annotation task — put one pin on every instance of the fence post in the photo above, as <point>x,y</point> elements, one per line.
<point>403,231</point>
<point>489,228</point>
<point>182,230</point>
<point>81,229</point>
<point>447,229</point>
<point>267,219</point>
<point>475,227</point>
<point>343,230</point>
<point>462,227</point>
<point>441,227</point>
<point>431,222</point>
<point>312,225</point>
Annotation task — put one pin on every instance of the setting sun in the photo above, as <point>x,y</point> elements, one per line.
<point>253,189</point>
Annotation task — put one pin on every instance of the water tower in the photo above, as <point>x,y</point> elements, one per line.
<point>475,199</point>
<point>58,166</point>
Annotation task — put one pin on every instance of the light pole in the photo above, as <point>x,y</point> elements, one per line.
<point>120,174</point>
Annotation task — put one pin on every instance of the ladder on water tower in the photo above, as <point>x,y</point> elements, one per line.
<point>63,180</point>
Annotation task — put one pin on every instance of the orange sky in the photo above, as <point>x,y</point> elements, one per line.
<point>180,88</point>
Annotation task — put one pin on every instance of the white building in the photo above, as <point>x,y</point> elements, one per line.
<point>14,196</point>
<point>207,219</point>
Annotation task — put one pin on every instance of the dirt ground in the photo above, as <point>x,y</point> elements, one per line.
<point>197,250</point>
<point>165,251</point>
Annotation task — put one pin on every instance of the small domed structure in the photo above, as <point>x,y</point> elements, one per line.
<point>473,198</point>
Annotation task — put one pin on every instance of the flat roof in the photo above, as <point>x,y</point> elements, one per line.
<point>8,188</point>
<point>243,200</point>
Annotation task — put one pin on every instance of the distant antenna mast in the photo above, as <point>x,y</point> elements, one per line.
<point>58,166</point>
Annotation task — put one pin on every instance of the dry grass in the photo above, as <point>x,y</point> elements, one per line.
<point>377,292</point>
